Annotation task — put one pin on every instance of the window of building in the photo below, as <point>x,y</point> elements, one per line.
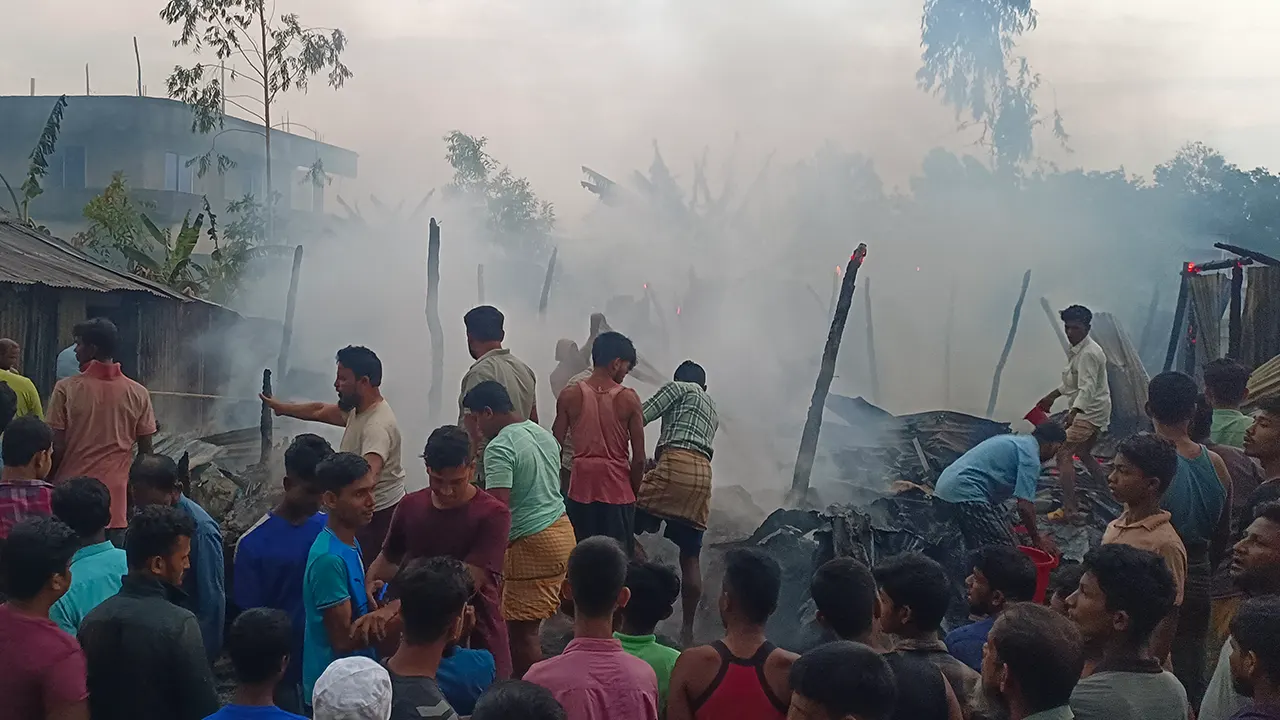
<point>178,176</point>
<point>73,167</point>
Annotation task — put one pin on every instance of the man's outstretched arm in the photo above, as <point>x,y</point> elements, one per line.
<point>328,413</point>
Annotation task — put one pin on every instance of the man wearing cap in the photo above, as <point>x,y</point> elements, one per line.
<point>353,688</point>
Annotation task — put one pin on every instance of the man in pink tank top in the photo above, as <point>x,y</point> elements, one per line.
<point>607,425</point>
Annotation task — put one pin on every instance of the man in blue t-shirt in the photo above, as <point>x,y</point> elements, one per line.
<point>1001,576</point>
<point>464,675</point>
<point>333,587</point>
<point>975,486</point>
<point>271,557</point>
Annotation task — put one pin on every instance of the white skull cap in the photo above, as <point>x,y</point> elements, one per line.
<point>353,688</point>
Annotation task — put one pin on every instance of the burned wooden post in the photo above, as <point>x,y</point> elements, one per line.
<point>1179,315</point>
<point>480,284</point>
<point>1055,322</point>
<point>265,429</point>
<point>827,371</point>
<point>546,284</point>
<point>1149,326</point>
<point>1008,345</point>
<point>946,350</point>
<point>871,347</point>
<point>290,305</point>
<point>435,392</point>
<point>1234,322</point>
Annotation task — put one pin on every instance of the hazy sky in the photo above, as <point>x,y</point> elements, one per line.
<point>563,83</point>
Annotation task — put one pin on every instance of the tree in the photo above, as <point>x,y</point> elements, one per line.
<point>115,220</point>
<point>39,164</point>
<point>511,211</point>
<point>279,55</point>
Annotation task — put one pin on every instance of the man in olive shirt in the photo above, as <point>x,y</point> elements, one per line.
<point>485,334</point>
<point>1226,387</point>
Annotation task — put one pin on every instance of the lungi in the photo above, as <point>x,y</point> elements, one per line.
<point>678,488</point>
<point>1188,651</point>
<point>533,571</point>
<point>980,523</point>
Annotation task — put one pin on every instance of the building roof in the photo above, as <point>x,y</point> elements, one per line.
<point>30,257</point>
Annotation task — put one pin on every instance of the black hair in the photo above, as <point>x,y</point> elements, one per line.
<point>919,582</point>
<point>258,642</point>
<point>488,394</point>
<point>1201,427</point>
<point>1044,653</point>
<point>1136,582</point>
<point>362,362</point>
<point>155,471</point>
<point>1228,380</point>
<point>654,589</point>
<point>846,679</point>
<point>753,580</point>
<point>99,332</point>
<point>154,531</point>
<point>1269,405</point>
<point>484,323</point>
<point>1008,571</point>
<point>23,439</point>
<point>1256,629</point>
<point>1066,579</point>
<point>339,471</point>
<point>597,573</point>
<point>84,504</point>
<point>1049,432</point>
<point>1268,511</point>
<point>845,593</point>
<point>304,454</point>
<point>1155,456</point>
<point>612,346</point>
<point>1077,313</point>
<point>518,700</point>
<point>37,549</point>
<point>690,371</point>
<point>433,592</point>
<point>8,405</point>
<point>1172,398</point>
<point>448,446</point>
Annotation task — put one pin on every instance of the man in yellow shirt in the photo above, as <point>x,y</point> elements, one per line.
<point>28,397</point>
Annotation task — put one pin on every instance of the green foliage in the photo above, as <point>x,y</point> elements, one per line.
<point>511,211</point>
<point>46,144</point>
<point>235,250</point>
<point>170,263</point>
<point>115,220</point>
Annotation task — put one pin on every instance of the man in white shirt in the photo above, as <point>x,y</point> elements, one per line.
<point>1084,385</point>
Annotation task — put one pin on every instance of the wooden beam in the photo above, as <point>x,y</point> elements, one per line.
<point>436,391</point>
<point>946,346</point>
<point>1247,253</point>
<point>1008,344</point>
<point>826,372</point>
<point>871,347</point>
<point>265,428</point>
<point>480,284</point>
<point>1179,318</point>
<point>546,284</point>
<point>290,305</point>
<point>1149,327</point>
<point>1234,322</point>
<point>1055,322</point>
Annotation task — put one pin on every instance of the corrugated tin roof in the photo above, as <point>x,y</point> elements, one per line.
<point>30,257</point>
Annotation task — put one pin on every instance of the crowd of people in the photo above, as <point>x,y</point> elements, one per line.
<point>353,598</point>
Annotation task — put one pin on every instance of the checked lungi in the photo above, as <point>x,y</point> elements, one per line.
<point>533,571</point>
<point>678,488</point>
<point>980,523</point>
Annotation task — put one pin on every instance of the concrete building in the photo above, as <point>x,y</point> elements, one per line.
<point>150,141</point>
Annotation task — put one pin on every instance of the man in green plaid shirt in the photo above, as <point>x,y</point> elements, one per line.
<point>677,490</point>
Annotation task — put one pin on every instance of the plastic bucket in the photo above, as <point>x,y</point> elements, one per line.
<point>1045,563</point>
<point>1037,416</point>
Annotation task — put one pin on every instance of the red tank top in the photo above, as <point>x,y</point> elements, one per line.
<point>601,450</point>
<point>740,691</point>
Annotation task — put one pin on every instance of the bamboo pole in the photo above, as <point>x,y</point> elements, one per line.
<point>291,304</point>
<point>1179,317</point>
<point>137,59</point>
<point>480,283</point>
<point>265,428</point>
<point>1055,322</point>
<point>871,347</point>
<point>946,352</point>
<point>546,284</point>
<point>1149,327</point>
<point>1234,321</point>
<point>435,393</point>
<point>826,371</point>
<point>1008,345</point>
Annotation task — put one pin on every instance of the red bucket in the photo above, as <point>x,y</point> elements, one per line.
<point>1037,417</point>
<point>1045,563</point>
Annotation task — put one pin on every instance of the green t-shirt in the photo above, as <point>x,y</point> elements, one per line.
<point>660,657</point>
<point>525,459</point>
<point>1229,427</point>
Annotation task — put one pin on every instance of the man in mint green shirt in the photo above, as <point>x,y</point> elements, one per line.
<point>522,470</point>
<point>654,589</point>
<point>1226,387</point>
<point>84,504</point>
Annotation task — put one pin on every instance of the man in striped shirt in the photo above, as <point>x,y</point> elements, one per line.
<point>678,489</point>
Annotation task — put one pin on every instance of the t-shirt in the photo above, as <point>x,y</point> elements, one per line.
<point>103,413</point>
<point>476,534</point>
<point>334,575</point>
<point>1110,695</point>
<point>67,364</point>
<point>40,666</point>
<point>1229,427</point>
<point>525,458</point>
<point>660,657</point>
<point>514,376</point>
<point>1153,534</point>
<point>253,712</point>
<point>593,679</point>
<point>1258,712</point>
<point>96,572</point>
<point>922,690</point>
<point>415,696</point>
<point>994,470</point>
<point>1221,701</point>
<point>28,396</point>
<point>270,562</point>
<point>464,675</point>
<point>966,641</point>
<point>376,431</point>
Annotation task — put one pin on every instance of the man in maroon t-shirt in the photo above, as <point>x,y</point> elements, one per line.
<point>42,669</point>
<point>450,518</point>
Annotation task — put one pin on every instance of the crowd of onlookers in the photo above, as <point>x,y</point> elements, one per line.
<point>353,598</point>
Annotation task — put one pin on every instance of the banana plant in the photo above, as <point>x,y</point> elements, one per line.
<point>39,165</point>
<point>172,266</point>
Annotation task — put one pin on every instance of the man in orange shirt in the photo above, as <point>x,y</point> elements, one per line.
<point>97,417</point>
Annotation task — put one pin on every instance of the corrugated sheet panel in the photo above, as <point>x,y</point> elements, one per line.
<point>28,257</point>
<point>1265,381</point>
